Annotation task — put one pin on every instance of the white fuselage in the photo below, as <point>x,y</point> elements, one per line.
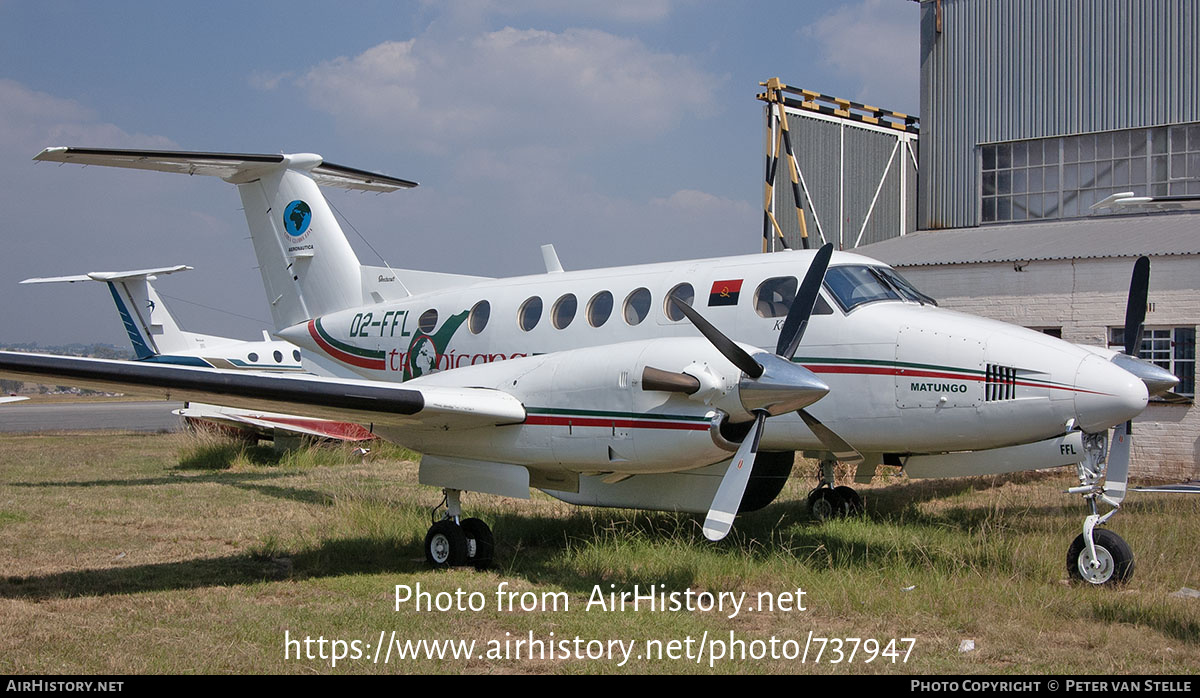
<point>905,377</point>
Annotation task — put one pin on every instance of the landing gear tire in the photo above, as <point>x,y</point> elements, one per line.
<point>479,537</point>
<point>825,503</point>
<point>852,502</point>
<point>1113,554</point>
<point>446,545</point>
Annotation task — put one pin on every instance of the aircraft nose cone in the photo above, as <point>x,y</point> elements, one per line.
<point>1158,380</point>
<point>1106,394</point>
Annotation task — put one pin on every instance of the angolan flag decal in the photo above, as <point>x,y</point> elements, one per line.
<point>725,292</point>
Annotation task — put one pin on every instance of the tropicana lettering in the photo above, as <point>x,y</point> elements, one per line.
<point>449,360</point>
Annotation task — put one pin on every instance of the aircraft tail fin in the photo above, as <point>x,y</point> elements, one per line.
<point>151,328</point>
<point>307,265</point>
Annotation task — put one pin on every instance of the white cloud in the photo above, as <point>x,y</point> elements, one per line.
<point>30,120</point>
<point>578,87</point>
<point>621,10</point>
<point>702,203</point>
<point>877,43</point>
<point>267,81</point>
<point>68,220</point>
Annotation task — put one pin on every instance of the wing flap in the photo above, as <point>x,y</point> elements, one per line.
<point>359,401</point>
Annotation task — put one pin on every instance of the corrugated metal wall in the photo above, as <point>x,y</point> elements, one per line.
<point>1006,69</point>
<point>839,214</point>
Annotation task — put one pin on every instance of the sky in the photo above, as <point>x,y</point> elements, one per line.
<point>621,131</point>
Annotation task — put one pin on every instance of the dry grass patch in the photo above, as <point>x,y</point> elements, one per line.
<point>165,553</point>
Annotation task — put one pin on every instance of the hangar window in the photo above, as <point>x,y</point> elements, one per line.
<point>1172,348</point>
<point>637,306</point>
<point>1064,176</point>
<point>478,318</point>
<point>530,313</point>
<point>563,311</point>
<point>599,308</point>
<point>427,321</point>
<point>685,294</point>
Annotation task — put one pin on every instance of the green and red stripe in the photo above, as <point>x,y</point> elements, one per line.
<point>608,419</point>
<point>880,367</point>
<point>346,353</point>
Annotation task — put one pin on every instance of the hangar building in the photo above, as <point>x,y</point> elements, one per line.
<point>1032,113</point>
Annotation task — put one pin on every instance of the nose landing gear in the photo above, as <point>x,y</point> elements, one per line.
<point>1099,556</point>
<point>455,542</point>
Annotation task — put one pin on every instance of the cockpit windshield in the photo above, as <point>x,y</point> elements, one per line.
<point>854,284</point>
<point>904,286</point>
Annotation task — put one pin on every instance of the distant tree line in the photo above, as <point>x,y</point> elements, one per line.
<point>98,351</point>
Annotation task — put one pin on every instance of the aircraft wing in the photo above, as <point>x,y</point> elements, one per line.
<point>349,400</point>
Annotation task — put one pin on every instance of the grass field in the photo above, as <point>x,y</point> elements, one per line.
<point>130,553</point>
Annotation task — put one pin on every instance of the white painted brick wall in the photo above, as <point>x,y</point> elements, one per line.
<point>1085,297</point>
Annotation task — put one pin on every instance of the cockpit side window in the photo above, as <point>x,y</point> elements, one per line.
<point>774,297</point>
<point>853,285</point>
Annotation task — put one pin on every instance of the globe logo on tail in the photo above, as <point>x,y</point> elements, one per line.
<point>296,218</point>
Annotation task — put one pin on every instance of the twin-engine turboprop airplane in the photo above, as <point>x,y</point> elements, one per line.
<point>595,387</point>
<point>157,337</point>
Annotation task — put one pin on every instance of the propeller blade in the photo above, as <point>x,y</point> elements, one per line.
<point>736,355</point>
<point>802,307</point>
<point>1135,307</point>
<point>842,451</point>
<point>728,499</point>
<point>1116,475</point>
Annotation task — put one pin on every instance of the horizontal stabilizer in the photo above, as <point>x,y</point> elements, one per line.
<point>109,275</point>
<point>237,168</point>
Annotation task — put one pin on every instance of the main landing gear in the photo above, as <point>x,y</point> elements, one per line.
<point>827,501</point>
<point>1099,556</point>
<point>454,541</point>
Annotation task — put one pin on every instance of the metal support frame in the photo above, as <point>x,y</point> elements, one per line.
<point>778,135</point>
<point>844,113</point>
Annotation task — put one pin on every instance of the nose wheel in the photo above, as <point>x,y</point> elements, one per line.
<point>457,542</point>
<point>1113,562</point>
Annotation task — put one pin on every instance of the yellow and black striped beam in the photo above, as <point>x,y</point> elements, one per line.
<point>769,223</point>
<point>808,100</point>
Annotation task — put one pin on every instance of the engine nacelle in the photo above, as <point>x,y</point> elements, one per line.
<point>587,410</point>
